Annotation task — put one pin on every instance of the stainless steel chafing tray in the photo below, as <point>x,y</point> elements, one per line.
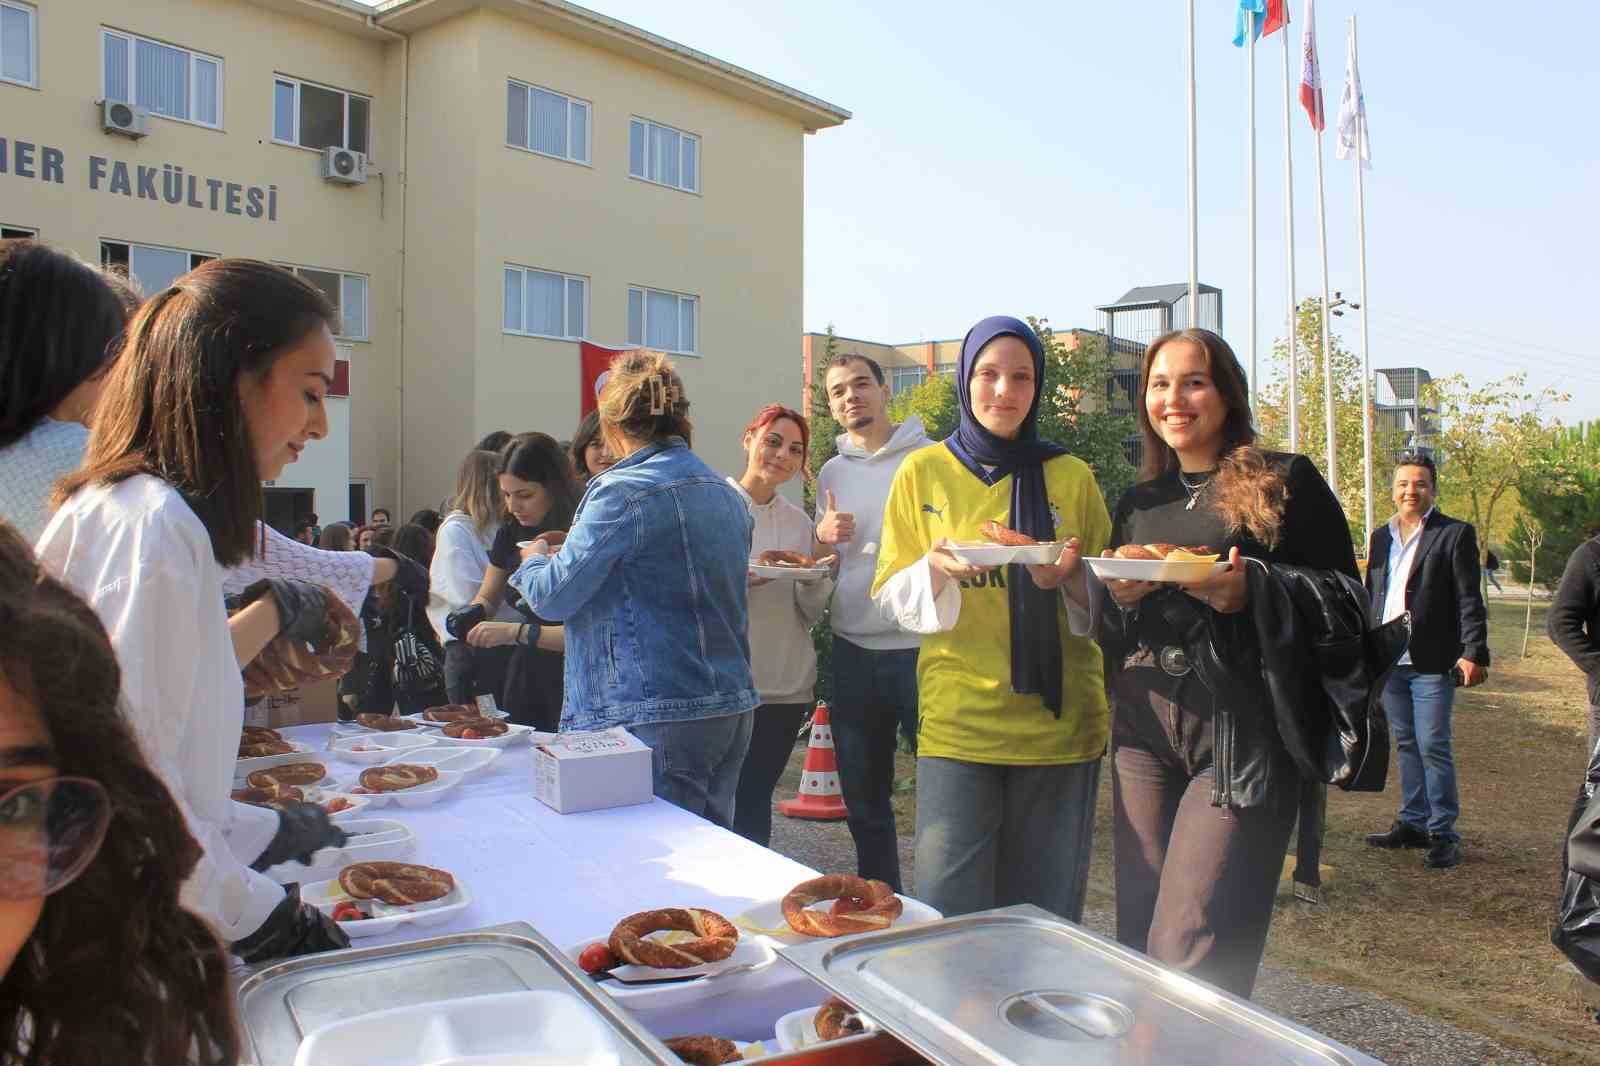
<point>1020,985</point>
<point>281,1004</point>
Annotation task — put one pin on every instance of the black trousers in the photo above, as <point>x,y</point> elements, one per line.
<point>470,672</point>
<point>771,744</point>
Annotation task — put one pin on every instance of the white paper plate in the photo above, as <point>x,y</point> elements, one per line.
<point>512,734</point>
<point>798,1029</point>
<point>766,920</point>
<point>380,839</point>
<point>804,574</point>
<point>357,804</point>
<point>755,950</point>
<point>262,762</point>
<point>465,761</point>
<point>1153,570</point>
<point>986,554</point>
<point>356,729</point>
<point>380,747</point>
<point>242,780</point>
<point>496,713</point>
<point>324,895</point>
<point>416,796</point>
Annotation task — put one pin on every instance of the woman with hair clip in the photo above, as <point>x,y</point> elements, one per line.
<point>99,961</point>
<point>650,585</point>
<point>540,496</point>
<point>782,658</point>
<point>1205,795</point>
<point>1011,695</point>
<point>589,455</point>
<point>219,385</point>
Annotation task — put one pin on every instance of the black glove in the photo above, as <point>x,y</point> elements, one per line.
<point>302,608</point>
<point>411,577</point>
<point>459,622</point>
<point>303,830</point>
<point>293,928</point>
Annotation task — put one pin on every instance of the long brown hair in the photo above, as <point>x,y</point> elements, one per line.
<point>1248,491</point>
<point>477,491</point>
<point>643,400</point>
<point>171,404</point>
<point>115,970</point>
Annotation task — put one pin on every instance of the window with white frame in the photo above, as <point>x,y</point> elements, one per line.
<point>539,303</point>
<point>155,268</point>
<point>315,116</point>
<point>8,233</point>
<point>19,52</point>
<point>667,321</point>
<point>169,81</point>
<point>546,122</point>
<point>663,155</point>
<point>906,377</point>
<point>346,292</point>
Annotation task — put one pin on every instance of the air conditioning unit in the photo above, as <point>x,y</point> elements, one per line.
<point>126,119</point>
<point>344,166</point>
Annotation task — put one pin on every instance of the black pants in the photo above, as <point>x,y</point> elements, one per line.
<point>874,700</point>
<point>771,744</point>
<point>533,688</point>
<point>470,672</point>
<point>1195,883</point>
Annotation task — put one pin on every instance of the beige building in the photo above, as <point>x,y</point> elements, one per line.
<point>478,184</point>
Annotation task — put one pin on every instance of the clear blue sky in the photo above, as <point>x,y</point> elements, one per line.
<point>1028,157</point>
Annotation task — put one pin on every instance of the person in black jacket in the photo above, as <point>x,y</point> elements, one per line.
<point>1427,563</point>
<point>1574,621</point>
<point>1205,794</point>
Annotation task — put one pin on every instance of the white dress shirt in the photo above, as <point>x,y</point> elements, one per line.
<point>1402,554</point>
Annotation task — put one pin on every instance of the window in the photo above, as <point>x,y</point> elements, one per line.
<point>663,320</point>
<point>12,232</point>
<point>664,155</point>
<point>542,304</point>
<point>347,293</point>
<point>906,377</point>
<point>153,267</point>
<point>173,82</point>
<point>313,116</point>
<point>18,50</point>
<point>546,122</point>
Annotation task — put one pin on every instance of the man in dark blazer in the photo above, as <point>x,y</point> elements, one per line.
<point>1427,563</point>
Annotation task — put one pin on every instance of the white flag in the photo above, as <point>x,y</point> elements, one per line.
<point>1353,110</point>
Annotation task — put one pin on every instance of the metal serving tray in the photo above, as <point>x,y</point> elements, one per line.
<point>1020,985</point>
<point>281,1004</point>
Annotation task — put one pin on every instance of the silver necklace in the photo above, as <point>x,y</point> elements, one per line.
<point>1194,490</point>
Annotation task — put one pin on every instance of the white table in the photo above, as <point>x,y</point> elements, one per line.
<point>574,876</point>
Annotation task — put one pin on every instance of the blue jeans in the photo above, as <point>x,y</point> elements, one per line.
<point>696,763</point>
<point>874,696</point>
<point>1418,706</point>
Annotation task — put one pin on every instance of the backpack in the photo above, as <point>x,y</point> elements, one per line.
<point>418,666</point>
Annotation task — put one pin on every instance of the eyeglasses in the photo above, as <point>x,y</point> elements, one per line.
<point>50,831</point>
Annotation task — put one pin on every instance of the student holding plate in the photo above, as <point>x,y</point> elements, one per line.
<point>1205,794</point>
<point>1011,690</point>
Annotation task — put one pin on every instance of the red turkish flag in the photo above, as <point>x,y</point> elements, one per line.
<point>595,360</point>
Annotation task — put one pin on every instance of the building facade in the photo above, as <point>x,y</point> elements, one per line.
<point>478,185</point>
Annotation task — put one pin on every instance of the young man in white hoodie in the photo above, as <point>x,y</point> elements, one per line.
<point>874,660</point>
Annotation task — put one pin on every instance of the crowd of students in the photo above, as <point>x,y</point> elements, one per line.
<point>607,583</point>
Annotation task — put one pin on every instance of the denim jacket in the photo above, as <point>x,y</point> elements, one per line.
<point>650,585</point>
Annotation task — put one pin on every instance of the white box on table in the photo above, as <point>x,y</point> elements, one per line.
<point>574,772</point>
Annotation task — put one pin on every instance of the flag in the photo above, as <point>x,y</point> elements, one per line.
<point>1310,75</point>
<point>1353,111</point>
<point>1274,15</point>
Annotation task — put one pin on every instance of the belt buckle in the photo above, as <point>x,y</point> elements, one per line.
<point>1174,660</point>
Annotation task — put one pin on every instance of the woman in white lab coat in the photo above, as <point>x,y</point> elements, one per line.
<point>219,385</point>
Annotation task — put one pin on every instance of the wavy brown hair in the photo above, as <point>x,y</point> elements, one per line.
<point>115,970</point>
<point>643,400</point>
<point>171,404</point>
<point>478,491</point>
<point>1249,492</point>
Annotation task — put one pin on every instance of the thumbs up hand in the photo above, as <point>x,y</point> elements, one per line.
<point>835,526</point>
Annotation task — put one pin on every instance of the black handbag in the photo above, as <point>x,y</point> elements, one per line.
<point>418,664</point>
<point>1576,933</point>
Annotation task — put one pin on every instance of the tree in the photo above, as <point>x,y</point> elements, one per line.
<point>1272,417</point>
<point>1535,538</point>
<point>1073,412</point>
<point>1559,487</point>
<point>934,401</point>
<point>824,430</point>
<point>1486,437</point>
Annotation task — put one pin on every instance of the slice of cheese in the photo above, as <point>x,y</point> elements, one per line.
<point>1178,555</point>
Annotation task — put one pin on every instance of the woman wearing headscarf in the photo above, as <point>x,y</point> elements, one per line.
<point>1011,693</point>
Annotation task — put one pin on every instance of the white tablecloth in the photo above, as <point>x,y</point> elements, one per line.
<point>574,876</point>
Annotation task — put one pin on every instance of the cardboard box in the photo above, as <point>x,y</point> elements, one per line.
<point>306,705</point>
<point>574,772</point>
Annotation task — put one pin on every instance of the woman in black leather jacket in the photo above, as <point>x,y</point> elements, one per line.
<point>1205,793</point>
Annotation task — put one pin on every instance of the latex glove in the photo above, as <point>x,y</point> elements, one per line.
<point>302,608</point>
<point>293,928</point>
<point>303,830</point>
<point>459,622</point>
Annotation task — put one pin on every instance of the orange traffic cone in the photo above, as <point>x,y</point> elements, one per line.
<point>819,796</point>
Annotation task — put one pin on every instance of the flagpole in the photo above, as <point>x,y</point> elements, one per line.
<point>1361,247</point>
<point>1250,193</point>
<point>1288,221</point>
<point>1327,361</point>
<point>1194,192</point>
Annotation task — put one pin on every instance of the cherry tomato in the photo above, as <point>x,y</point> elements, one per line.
<point>471,734</point>
<point>847,904</point>
<point>596,957</point>
<point>347,912</point>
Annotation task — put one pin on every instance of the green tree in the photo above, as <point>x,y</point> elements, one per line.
<point>1074,413</point>
<point>1559,487</point>
<point>934,401</point>
<point>824,430</point>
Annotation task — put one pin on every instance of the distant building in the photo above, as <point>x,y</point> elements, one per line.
<point>1398,407</point>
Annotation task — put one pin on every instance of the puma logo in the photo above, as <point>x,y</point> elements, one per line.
<point>937,512</point>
